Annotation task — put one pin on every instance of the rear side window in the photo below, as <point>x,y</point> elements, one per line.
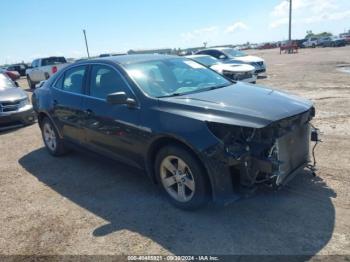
<point>104,81</point>
<point>53,61</point>
<point>73,80</point>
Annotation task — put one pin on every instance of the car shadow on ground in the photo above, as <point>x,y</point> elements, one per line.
<point>296,220</point>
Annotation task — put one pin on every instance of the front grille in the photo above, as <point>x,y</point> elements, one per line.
<point>293,150</point>
<point>260,71</point>
<point>238,76</point>
<point>9,106</point>
<point>257,64</point>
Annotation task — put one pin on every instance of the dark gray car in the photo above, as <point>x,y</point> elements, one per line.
<point>195,133</point>
<point>15,107</point>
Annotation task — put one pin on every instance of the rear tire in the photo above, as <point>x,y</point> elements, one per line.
<point>53,143</point>
<point>182,178</point>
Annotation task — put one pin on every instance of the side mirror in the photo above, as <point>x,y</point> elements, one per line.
<point>120,98</point>
<point>16,84</point>
<point>222,57</point>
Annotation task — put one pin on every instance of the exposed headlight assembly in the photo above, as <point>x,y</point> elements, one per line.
<point>228,133</point>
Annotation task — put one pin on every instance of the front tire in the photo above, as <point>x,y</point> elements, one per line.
<point>182,178</point>
<point>53,143</point>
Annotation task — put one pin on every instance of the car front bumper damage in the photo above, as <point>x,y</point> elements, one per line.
<point>271,156</point>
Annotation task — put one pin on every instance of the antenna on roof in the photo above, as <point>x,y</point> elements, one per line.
<point>86,43</point>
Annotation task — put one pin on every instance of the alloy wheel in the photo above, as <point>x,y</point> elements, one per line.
<point>177,178</point>
<point>49,136</point>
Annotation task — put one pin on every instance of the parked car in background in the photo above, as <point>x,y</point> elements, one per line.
<point>322,40</point>
<point>332,42</point>
<point>311,42</point>
<point>195,133</point>
<point>20,68</point>
<point>14,75</point>
<point>267,46</point>
<point>300,42</point>
<point>231,55</point>
<point>43,68</point>
<point>235,72</point>
<point>111,54</point>
<point>15,107</point>
<point>347,39</point>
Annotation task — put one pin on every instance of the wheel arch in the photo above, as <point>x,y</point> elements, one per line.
<point>161,142</point>
<point>41,115</point>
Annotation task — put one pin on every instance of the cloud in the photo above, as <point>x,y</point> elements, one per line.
<point>202,33</point>
<point>327,16</point>
<point>279,22</point>
<point>212,33</point>
<point>307,11</point>
<point>236,26</point>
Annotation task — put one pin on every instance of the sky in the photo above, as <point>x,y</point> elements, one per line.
<point>37,28</point>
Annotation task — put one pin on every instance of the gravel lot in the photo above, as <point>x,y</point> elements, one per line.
<point>83,204</point>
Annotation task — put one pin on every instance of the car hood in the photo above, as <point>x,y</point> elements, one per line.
<point>248,59</point>
<point>232,67</point>
<point>12,94</point>
<point>240,104</point>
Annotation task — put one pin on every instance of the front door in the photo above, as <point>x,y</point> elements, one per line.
<point>111,129</point>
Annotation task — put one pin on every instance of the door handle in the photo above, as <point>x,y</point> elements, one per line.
<point>55,102</point>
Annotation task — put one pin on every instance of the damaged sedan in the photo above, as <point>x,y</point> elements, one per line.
<point>198,135</point>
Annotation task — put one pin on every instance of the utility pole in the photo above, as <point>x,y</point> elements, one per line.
<point>290,21</point>
<point>86,43</point>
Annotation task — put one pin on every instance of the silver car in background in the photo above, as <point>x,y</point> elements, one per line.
<point>235,72</point>
<point>15,107</point>
<point>230,55</point>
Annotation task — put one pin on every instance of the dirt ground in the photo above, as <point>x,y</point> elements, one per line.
<point>83,204</point>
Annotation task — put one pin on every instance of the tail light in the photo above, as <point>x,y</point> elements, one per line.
<point>54,69</point>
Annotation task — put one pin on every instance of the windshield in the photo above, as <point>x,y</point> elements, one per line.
<point>53,61</point>
<point>5,83</point>
<point>170,77</point>
<point>233,52</point>
<point>205,60</point>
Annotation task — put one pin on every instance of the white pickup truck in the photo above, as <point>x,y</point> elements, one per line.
<point>311,42</point>
<point>43,68</point>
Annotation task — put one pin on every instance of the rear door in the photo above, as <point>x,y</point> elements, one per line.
<point>111,129</point>
<point>67,101</point>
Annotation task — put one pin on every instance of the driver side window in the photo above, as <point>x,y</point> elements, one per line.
<point>104,81</point>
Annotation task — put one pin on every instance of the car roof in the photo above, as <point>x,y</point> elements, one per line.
<point>199,55</point>
<point>131,59</point>
<point>217,48</point>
